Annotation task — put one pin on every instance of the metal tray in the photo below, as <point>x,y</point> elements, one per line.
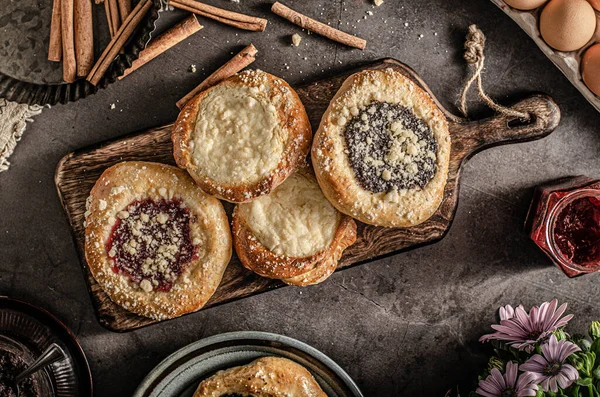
<point>567,62</point>
<point>26,76</point>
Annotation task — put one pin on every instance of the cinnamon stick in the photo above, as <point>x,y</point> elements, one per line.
<point>230,18</point>
<point>84,37</point>
<point>124,9</point>
<point>231,67</point>
<point>109,19</point>
<point>171,37</point>
<point>318,27</point>
<point>68,41</point>
<point>117,42</point>
<point>114,15</point>
<point>55,44</point>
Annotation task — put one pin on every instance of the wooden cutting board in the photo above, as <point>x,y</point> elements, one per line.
<point>77,172</point>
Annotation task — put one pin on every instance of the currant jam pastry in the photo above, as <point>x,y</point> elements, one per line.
<point>264,377</point>
<point>155,242</point>
<point>243,137</point>
<point>382,150</point>
<point>293,234</point>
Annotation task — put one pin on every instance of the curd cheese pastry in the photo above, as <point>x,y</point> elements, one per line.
<point>154,241</point>
<point>243,137</point>
<point>293,234</point>
<point>382,150</point>
<point>264,377</point>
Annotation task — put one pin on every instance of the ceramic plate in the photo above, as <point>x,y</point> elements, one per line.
<point>180,373</point>
<point>34,329</point>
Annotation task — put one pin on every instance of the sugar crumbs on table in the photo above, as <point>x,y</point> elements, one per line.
<point>192,68</point>
<point>112,106</point>
<point>296,39</point>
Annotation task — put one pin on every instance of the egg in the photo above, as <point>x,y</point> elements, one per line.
<point>567,25</point>
<point>590,68</point>
<point>525,5</point>
<point>595,4</point>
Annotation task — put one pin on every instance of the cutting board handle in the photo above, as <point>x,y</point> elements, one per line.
<point>470,137</point>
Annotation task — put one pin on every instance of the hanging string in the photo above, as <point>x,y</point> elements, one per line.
<point>474,46</point>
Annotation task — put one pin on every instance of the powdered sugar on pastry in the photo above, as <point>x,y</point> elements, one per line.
<point>382,150</point>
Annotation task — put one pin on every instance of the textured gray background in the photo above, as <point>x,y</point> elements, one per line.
<point>406,325</point>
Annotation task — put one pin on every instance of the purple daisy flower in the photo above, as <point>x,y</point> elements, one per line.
<point>523,330</point>
<point>550,368</point>
<point>509,385</point>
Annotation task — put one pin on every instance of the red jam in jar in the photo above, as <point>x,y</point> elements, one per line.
<point>564,221</point>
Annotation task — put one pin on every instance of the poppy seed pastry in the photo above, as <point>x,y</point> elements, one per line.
<point>293,234</point>
<point>154,241</point>
<point>382,150</point>
<point>263,377</point>
<point>243,137</point>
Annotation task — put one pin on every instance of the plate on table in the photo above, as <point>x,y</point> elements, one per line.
<point>26,74</point>
<point>32,329</point>
<point>180,373</point>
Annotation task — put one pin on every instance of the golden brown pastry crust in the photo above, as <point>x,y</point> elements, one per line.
<point>404,208</point>
<point>264,377</point>
<point>291,116</point>
<point>301,271</point>
<point>126,182</point>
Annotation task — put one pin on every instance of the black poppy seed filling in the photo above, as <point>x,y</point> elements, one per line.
<point>370,142</point>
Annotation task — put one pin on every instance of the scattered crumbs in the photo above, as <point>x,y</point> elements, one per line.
<point>192,68</point>
<point>435,33</point>
<point>296,39</point>
<point>112,106</point>
<point>405,24</point>
<point>235,1</point>
<point>369,12</point>
<point>421,36</point>
<point>378,2</point>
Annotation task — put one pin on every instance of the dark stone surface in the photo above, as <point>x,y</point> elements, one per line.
<point>406,325</point>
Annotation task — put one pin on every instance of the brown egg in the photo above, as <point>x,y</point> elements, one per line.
<point>590,68</point>
<point>567,25</point>
<point>595,4</point>
<point>525,4</point>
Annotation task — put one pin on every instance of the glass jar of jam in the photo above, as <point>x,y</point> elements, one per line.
<point>564,221</point>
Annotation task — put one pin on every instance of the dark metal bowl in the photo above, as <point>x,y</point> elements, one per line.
<point>19,90</point>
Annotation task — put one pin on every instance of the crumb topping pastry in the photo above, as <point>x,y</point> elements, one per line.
<point>151,242</point>
<point>382,151</point>
<point>155,242</point>
<point>241,138</point>
<point>263,377</point>
<point>390,148</point>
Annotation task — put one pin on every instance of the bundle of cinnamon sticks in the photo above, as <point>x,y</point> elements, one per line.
<point>72,38</point>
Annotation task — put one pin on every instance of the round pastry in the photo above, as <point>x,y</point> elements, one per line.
<point>264,377</point>
<point>294,233</point>
<point>241,138</point>
<point>382,150</point>
<point>154,241</point>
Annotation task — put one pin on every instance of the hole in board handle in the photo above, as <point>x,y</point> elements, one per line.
<point>518,122</point>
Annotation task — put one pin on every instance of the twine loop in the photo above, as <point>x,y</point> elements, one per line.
<point>474,46</point>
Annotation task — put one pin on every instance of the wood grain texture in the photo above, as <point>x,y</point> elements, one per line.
<point>77,172</point>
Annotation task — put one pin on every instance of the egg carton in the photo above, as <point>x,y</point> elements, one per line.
<point>569,63</point>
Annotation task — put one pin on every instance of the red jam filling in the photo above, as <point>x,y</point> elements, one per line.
<point>577,232</point>
<point>151,242</point>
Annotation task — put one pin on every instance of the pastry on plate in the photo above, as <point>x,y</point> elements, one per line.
<point>264,377</point>
<point>243,137</point>
<point>293,234</point>
<point>154,241</point>
<point>382,150</point>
